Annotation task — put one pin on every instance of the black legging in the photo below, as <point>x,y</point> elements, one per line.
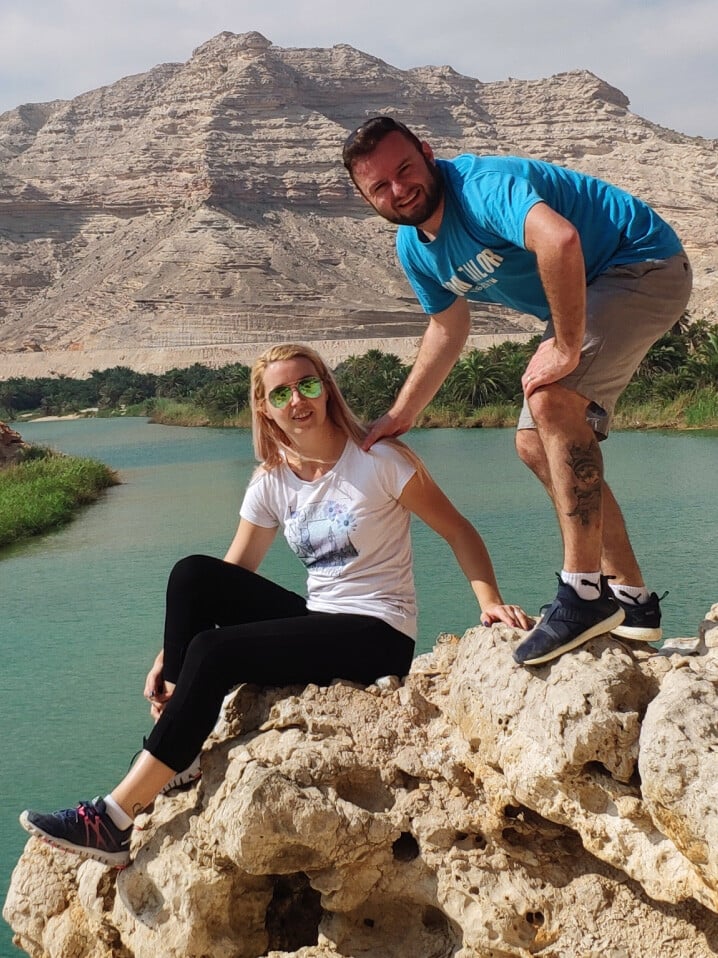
<point>225,626</point>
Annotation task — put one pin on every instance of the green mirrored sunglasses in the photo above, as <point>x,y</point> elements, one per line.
<point>311,387</point>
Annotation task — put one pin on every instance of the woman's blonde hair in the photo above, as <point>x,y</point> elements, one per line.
<point>270,441</point>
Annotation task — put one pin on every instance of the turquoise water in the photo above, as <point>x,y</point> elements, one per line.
<point>82,608</point>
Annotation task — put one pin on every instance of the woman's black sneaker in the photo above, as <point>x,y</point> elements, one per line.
<point>86,830</point>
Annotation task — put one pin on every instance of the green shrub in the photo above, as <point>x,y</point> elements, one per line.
<point>45,489</point>
<point>702,409</point>
<point>170,412</point>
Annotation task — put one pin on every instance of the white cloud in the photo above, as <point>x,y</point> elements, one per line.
<point>662,55</point>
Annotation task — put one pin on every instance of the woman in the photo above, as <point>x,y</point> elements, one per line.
<point>346,514</point>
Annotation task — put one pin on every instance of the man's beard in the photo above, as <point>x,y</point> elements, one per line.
<point>425,210</point>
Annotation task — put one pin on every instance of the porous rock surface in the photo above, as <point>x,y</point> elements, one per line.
<point>192,212</point>
<point>477,810</point>
<point>11,445</point>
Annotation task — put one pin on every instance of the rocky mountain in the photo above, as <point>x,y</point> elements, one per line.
<point>478,809</point>
<point>203,207</point>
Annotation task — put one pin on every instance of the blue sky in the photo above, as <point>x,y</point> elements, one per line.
<point>662,55</point>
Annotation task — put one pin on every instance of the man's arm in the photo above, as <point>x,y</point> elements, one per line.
<point>559,258</point>
<point>441,344</point>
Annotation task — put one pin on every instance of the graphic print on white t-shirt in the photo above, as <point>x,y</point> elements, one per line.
<point>319,534</point>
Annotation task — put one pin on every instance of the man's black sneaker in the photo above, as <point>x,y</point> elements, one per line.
<point>86,830</point>
<point>568,622</point>
<point>643,619</point>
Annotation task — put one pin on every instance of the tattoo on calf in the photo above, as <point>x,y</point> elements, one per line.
<point>587,467</point>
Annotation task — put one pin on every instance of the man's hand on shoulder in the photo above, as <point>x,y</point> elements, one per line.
<point>390,424</point>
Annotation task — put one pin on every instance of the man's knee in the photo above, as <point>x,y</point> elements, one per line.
<point>555,406</point>
<point>530,450</point>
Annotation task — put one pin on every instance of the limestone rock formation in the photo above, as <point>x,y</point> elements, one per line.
<point>11,445</point>
<point>203,204</point>
<point>476,810</point>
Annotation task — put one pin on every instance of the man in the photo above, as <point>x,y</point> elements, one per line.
<point>608,276</point>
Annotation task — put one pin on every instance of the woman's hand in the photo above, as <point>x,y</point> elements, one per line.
<point>159,700</point>
<point>157,691</point>
<point>512,615</point>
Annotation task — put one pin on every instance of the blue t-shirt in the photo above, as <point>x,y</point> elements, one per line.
<point>479,252</point>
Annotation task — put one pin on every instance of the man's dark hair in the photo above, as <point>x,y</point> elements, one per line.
<point>369,135</point>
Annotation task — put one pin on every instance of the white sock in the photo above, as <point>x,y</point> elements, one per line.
<point>587,585</point>
<point>118,815</point>
<point>635,594</point>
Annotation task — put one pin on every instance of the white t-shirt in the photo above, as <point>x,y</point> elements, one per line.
<point>349,531</point>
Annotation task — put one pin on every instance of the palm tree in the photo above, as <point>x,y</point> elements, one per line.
<point>703,364</point>
<point>510,359</point>
<point>7,399</point>
<point>474,381</point>
<point>228,393</point>
<point>371,382</point>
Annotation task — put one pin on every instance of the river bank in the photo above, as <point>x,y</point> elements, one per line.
<point>686,412</point>
<point>46,490</point>
<point>695,410</point>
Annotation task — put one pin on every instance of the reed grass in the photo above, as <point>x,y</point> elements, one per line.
<point>694,410</point>
<point>46,490</point>
<point>697,409</point>
<point>170,412</point>
<point>447,416</point>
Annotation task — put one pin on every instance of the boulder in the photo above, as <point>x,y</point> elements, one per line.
<point>476,809</point>
<point>11,445</point>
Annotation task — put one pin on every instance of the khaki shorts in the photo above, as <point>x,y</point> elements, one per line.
<point>628,308</point>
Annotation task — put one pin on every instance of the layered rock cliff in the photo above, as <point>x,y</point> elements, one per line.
<point>204,204</point>
<point>476,810</point>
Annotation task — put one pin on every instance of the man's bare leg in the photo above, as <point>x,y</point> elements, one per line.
<point>617,556</point>
<point>564,454</point>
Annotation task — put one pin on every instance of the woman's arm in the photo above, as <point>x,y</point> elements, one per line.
<point>424,498</point>
<point>250,545</point>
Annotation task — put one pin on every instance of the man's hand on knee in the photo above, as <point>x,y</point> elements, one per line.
<point>549,364</point>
